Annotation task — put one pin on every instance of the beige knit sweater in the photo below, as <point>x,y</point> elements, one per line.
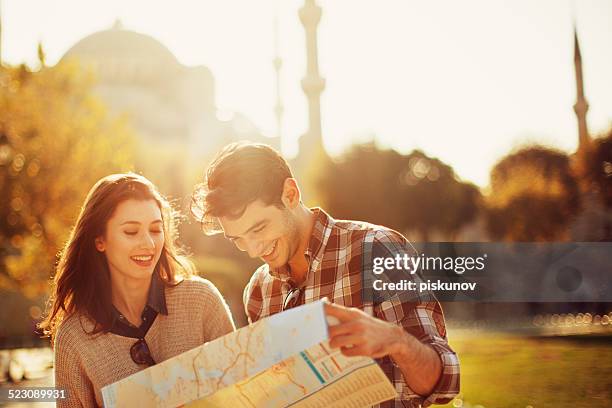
<point>84,363</point>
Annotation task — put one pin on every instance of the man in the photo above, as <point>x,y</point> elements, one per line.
<point>250,195</point>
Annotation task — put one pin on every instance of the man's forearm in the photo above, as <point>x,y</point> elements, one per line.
<point>419,363</point>
<point>359,334</point>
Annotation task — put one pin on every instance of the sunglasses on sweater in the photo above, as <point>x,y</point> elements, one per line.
<point>141,354</point>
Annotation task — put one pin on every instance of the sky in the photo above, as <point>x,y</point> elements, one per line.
<point>463,81</point>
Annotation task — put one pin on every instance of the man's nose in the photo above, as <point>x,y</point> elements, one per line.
<point>254,248</point>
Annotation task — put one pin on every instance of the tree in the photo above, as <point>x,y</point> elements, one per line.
<point>408,193</point>
<point>534,196</point>
<point>362,185</point>
<point>598,168</point>
<point>56,140</point>
<point>433,197</point>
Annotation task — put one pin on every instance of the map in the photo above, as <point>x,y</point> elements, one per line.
<point>280,361</point>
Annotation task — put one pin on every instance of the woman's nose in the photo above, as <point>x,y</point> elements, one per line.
<point>147,241</point>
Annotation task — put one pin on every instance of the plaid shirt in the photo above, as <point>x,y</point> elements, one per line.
<point>335,254</point>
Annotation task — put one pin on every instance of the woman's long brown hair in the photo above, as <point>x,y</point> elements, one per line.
<point>82,279</point>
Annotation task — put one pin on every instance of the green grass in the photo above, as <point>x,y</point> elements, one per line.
<point>505,370</point>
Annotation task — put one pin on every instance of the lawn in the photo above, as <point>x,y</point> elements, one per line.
<point>507,370</point>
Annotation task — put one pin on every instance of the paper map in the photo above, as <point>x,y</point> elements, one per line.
<point>280,361</point>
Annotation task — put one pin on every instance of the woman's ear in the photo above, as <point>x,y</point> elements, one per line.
<point>100,246</point>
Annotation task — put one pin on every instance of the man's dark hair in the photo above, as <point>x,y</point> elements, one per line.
<point>240,174</point>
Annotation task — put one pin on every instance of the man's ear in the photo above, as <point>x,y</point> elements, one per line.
<point>100,246</point>
<point>291,195</point>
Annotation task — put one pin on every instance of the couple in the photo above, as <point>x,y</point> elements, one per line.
<point>125,298</point>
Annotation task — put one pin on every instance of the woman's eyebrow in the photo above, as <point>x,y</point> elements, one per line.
<point>130,222</point>
<point>158,221</point>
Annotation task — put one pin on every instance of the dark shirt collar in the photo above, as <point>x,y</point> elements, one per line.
<point>156,303</point>
<point>157,294</point>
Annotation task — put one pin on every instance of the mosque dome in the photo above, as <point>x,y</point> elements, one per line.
<point>121,44</point>
<point>165,100</point>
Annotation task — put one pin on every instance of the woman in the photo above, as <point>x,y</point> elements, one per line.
<point>124,299</point>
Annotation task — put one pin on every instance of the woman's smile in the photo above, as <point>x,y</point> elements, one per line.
<point>144,261</point>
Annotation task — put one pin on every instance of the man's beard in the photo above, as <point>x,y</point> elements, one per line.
<point>292,234</point>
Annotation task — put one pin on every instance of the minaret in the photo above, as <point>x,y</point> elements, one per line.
<point>581,107</point>
<point>278,63</point>
<point>117,25</point>
<point>312,84</point>
<point>0,33</point>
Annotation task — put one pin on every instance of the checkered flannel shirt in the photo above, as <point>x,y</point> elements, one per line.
<point>335,254</point>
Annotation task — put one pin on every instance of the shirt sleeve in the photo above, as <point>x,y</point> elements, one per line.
<point>252,299</point>
<point>422,317</point>
<point>70,375</point>
<point>255,306</point>
<point>425,321</point>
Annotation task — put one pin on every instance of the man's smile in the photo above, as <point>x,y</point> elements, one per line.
<point>270,253</point>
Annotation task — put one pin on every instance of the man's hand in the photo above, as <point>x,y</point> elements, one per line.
<point>359,334</point>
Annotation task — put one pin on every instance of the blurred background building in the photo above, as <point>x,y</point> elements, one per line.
<point>166,102</point>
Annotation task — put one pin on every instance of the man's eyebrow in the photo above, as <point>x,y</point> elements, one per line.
<point>255,226</point>
<point>138,222</point>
